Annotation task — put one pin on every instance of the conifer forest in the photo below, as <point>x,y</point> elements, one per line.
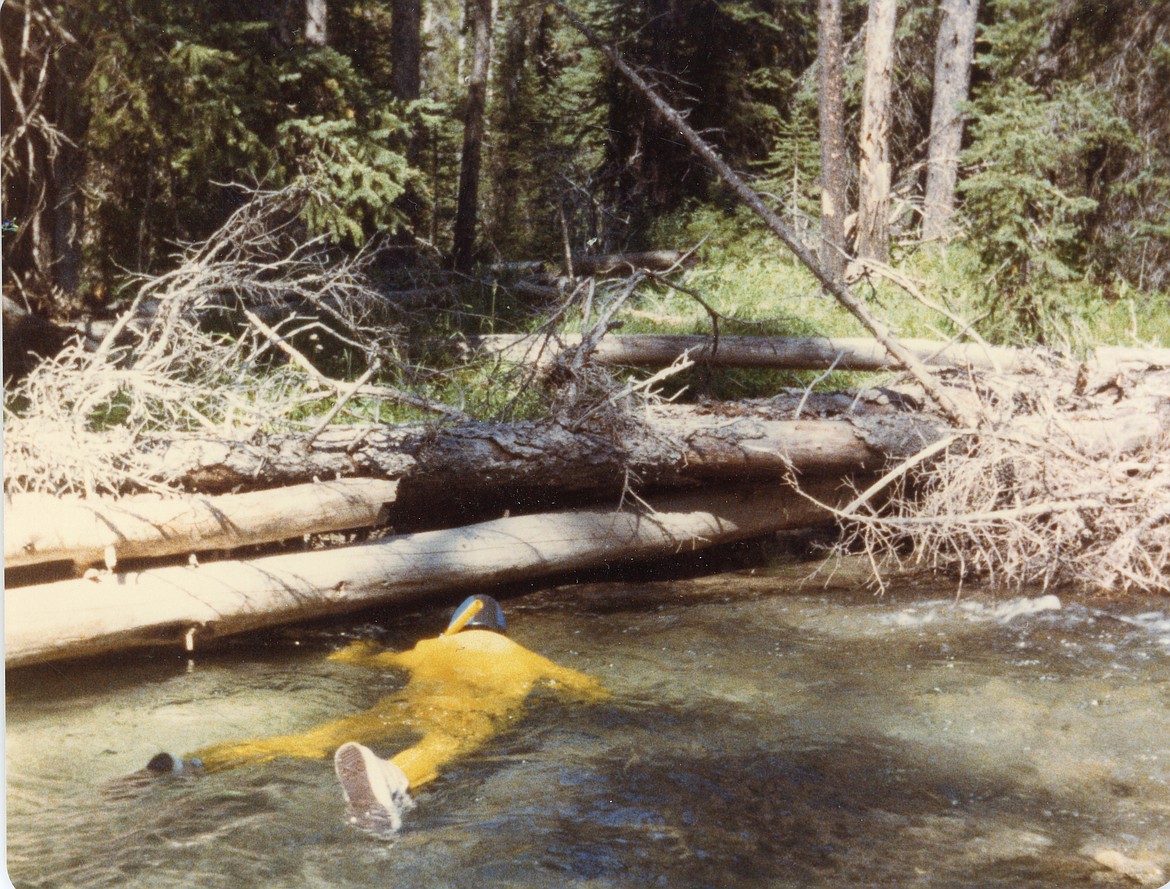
<point>131,128</point>
<point>519,257</point>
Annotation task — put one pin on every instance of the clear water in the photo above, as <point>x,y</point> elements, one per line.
<point>762,732</point>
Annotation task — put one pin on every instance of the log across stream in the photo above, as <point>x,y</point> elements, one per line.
<point>192,605</point>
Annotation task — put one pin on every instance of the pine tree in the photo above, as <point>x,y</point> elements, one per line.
<point>873,216</point>
<point>467,210</point>
<point>952,73</point>
<point>831,103</point>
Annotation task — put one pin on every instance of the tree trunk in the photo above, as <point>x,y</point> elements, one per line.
<point>873,216</point>
<point>316,23</point>
<point>775,353</point>
<point>467,205</point>
<point>406,49</point>
<point>187,607</point>
<point>832,123</point>
<point>442,471</point>
<point>952,78</point>
<point>40,528</point>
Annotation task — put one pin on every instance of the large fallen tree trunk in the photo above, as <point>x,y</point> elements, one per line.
<point>672,446</point>
<point>429,478</point>
<point>39,528</point>
<point>776,353</point>
<point>181,605</point>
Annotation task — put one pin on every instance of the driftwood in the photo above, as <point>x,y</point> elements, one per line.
<point>39,528</point>
<point>777,353</point>
<point>180,606</point>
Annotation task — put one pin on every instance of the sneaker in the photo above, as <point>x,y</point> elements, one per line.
<point>165,764</point>
<point>375,789</point>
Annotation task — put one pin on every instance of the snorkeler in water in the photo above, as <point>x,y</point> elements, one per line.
<point>464,687</point>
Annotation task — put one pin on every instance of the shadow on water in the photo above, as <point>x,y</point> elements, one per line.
<point>801,814</point>
<point>762,732</point>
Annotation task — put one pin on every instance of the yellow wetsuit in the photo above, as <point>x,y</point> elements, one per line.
<point>463,690</point>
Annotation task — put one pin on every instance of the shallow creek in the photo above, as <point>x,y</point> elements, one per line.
<point>763,731</point>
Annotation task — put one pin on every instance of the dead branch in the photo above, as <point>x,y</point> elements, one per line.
<point>87,413</point>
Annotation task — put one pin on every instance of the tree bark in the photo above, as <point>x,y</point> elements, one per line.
<point>187,607</point>
<point>873,216</point>
<point>406,49</point>
<point>831,104</point>
<point>952,77</point>
<point>316,23</point>
<point>40,528</point>
<point>467,204</point>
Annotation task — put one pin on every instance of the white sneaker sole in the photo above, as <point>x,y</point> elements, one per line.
<point>375,789</point>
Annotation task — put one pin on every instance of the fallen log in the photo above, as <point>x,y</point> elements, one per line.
<point>627,263</point>
<point>40,528</point>
<point>602,264</point>
<point>190,606</point>
<point>775,353</point>
<point>673,446</point>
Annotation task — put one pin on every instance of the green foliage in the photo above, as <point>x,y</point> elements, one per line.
<point>352,177</point>
<point>1066,181</point>
<point>1029,186</point>
<point>1023,203</point>
<point>793,168</point>
<point>1068,177</point>
<point>182,103</point>
<point>541,172</point>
